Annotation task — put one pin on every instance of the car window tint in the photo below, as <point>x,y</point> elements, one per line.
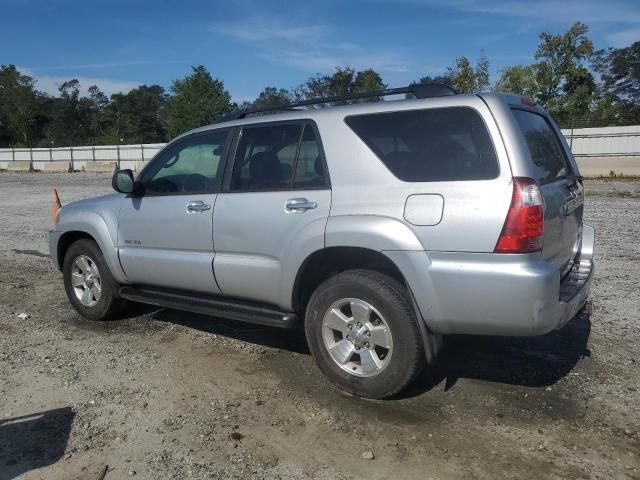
<point>190,167</point>
<point>547,154</point>
<point>437,144</point>
<point>265,157</point>
<point>309,169</point>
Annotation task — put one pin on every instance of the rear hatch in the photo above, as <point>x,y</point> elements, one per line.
<point>561,187</point>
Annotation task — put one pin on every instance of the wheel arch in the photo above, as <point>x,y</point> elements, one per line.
<point>324,263</point>
<point>94,228</point>
<point>66,240</point>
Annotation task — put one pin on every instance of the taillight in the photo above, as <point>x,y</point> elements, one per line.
<point>522,231</point>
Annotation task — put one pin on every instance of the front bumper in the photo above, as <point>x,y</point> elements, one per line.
<point>496,294</point>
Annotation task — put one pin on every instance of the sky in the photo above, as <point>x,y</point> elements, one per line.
<point>251,44</point>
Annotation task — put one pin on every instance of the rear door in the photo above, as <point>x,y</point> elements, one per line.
<point>272,211</point>
<point>561,187</point>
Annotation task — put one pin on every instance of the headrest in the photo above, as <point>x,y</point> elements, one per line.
<point>264,165</point>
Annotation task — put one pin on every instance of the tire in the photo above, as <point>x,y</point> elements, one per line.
<point>384,307</point>
<point>81,262</point>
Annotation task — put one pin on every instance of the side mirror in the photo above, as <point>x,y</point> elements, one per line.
<point>123,181</point>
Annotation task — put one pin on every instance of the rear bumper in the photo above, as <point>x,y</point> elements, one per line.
<point>490,294</point>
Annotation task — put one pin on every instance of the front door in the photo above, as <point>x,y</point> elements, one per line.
<point>165,233</point>
<point>272,212</point>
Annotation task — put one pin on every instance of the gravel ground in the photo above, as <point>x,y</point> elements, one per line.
<point>166,394</point>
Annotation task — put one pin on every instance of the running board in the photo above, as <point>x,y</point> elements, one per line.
<point>243,311</point>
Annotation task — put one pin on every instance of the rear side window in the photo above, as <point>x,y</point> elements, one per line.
<point>438,144</point>
<point>276,157</point>
<point>548,156</point>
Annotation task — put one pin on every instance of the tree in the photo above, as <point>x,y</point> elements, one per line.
<point>269,97</point>
<point>199,99</point>
<point>463,76</point>
<point>368,81</point>
<point>563,83</point>
<point>467,79</point>
<point>344,81</point>
<point>519,80</point>
<point>619,70</point>
<point>93,108</point>
<point>137,116</point>
<point>66,126</point>
<point>444,78</point>
<point>20,107</point>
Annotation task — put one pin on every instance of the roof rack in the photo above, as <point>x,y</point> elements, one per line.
<point>418,90</point>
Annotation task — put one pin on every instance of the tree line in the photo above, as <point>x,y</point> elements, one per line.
<point>568,77</point>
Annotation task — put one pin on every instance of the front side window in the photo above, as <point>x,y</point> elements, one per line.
<point>192,166</point>
<point>429,145</point>
<point>275,157</point>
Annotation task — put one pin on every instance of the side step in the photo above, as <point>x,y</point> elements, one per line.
<point>235,309</point>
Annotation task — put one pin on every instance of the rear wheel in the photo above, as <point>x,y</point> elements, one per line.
<point>88,282</point>
<point>363,334</point>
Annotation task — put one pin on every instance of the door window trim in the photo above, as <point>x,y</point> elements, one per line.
<point>233,150</point>
<point>216,187</point>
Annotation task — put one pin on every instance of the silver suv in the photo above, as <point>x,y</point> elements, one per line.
<point>378,226</point>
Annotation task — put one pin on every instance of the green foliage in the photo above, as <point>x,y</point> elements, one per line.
<point>136,116</point>
<point>619,71</point>
<point>563,83</point>
<point>20,107</point>
<point>463,76</point>
<point>269,97</point>
<point>198,99</point>
<point>468,79</point>
<point>519,80</point>
<point>344,81</point>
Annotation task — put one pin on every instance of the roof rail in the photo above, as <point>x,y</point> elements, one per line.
<point>418,90</point>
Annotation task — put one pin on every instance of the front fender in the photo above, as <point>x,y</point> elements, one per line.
<point>93,224</point>
<point>370,231</point>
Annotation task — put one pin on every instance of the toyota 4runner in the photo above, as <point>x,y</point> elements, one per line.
<point>379,226</point>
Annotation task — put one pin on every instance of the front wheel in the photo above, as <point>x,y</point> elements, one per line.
<point>88,282</point>
<point>363,334</point>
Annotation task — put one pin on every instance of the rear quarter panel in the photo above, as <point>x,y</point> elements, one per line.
<point>474,211</point>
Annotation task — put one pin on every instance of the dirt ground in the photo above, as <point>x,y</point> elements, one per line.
<point>166,394</point>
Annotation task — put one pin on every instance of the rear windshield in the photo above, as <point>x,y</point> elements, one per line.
<point>430,145</point>
<point>548,156</point>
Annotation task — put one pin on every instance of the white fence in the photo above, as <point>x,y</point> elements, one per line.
<point>597,150</point>
<point>126,156</point>
<point>604,142</point>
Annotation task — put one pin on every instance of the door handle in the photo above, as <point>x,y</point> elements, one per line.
<point>197,206</point>
<point>299,205</point>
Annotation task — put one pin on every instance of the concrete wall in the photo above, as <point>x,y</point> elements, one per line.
<point>603,166</point>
